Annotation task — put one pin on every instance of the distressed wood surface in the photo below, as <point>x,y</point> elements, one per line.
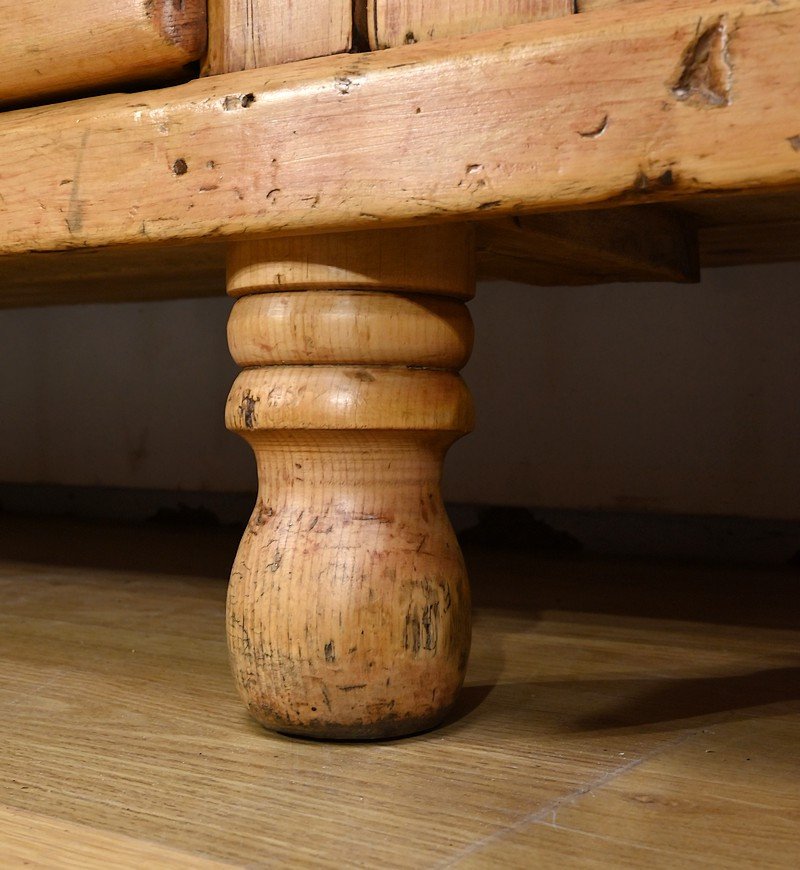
<point>625,244</point>
<point>246,34</point>
<point>389,23</point>
<point>72,46</point>
<point>348,604</point>
<point>600,718</point>
<point>730,231</point>
<point>348,611</point>
<point>571,112</point>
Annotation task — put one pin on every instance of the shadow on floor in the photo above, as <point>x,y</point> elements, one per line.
<point>646,705</point>
<point>667,704</point>
<point>637,588</point>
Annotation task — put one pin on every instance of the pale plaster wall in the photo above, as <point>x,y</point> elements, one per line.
<point>628,397</point>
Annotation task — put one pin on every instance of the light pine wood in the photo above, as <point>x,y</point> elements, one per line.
<point>600,718</point>
<point>570,112</point>
<point>625,244</point>
<point>360,260</point>
<point>246,34</point>
<point>598,5</point>
<point>72,46</point>
<point>730,231</point>
<point>348,605</point>
<point>324,328</point>
<point>389,23</point>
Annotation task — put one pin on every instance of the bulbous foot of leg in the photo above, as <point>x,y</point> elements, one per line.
<point>348,607</point>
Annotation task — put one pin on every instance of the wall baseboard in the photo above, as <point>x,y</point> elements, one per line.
<point>734,540</point>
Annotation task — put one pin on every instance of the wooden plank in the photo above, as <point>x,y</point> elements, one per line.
<point>246,34</point>
<point>124,274</point>
<point>757,228</point>
<point>572,112</point>
<point>43,840</point>
<point>389,23</point>
<point>545,250</point>
<point>596,5</point>
<point>644,244</point>
<point>736,208</point>
<point>737,244</point>
<point>600,714</point>
<point>625,244</point>
<point>702,787</point>
<point>75,46</point>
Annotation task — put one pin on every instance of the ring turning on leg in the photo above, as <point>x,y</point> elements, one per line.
<point>348,606</point>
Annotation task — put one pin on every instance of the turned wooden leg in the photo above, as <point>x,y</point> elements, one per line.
<point>348,606</point>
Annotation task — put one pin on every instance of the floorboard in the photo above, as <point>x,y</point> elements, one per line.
<point>617,714</point>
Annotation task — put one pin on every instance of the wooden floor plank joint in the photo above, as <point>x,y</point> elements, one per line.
<point>598,720</point>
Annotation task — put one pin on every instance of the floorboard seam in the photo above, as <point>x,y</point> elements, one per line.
<point>551,809</point>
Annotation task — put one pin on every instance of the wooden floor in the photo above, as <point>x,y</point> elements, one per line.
<point>616,715</point>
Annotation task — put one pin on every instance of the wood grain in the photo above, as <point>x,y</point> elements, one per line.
<point>381,138</point>
<point>598,5</point>
<point>348,605</point>
<point>247,34</point>
<point>336,627</point>
<point>389,23</point>
<point>38,840</point>
<point>769,242</point>
<point>52,50</point>
<point>113,275</point>
<point>730,231</point>
<point>363,260</point>
<point>757,228</point>
<point>600,717</point>
<point>624,244</point>
<point>327,328</point>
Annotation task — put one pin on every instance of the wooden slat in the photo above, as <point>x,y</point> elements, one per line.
<point>757,228</point>
<point>626,244</point>
<point>127,274</point>
<point>245,34</point>
<point>645,244</point>
<point>736,244</point>
<point>754,208</point>
<point>597,5</point>
<point>389,23</point>
<point>53,49</point>
<point>544,116</point>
